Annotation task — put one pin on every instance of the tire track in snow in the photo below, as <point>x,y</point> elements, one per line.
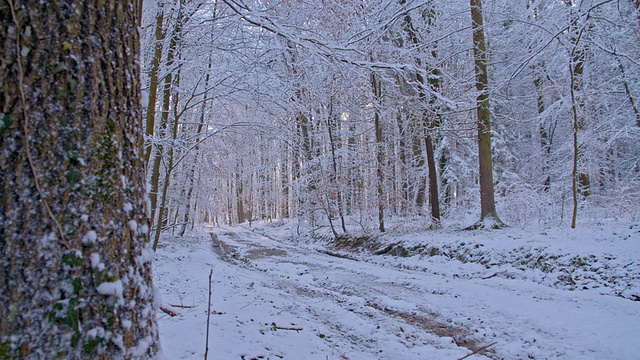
<point>234,247</point>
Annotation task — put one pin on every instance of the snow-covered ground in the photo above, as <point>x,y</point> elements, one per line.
<point>521,293</point>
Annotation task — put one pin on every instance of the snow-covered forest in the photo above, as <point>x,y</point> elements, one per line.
<point>289,179</point>
<point>350,113</point>
<point>353,138</point>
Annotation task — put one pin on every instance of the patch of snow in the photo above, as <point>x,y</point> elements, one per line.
<point>141,348</point>
<point>112,288</point>
<point>285,299</point>
<point>95,261</point>
<point>95,332</point>
<point>144,99</point>
<point>133,225</point>
<point>90,237</point>
<point>146,254</point>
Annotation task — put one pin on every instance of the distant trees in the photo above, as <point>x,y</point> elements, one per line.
<point>351,115</point>
<point>75,261</point>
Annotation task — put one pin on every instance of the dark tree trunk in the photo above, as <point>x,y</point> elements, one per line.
<point>433,184</point>
<point>150,115</point>
<point>430,121</point>
<point>75,260</point>
<point>488,214</point>
<point>377,92</point>
<point>167,91</point>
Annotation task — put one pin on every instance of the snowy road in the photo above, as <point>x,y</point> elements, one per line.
<point>276,300</point>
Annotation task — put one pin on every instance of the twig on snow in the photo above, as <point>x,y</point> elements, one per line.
<point>276,327</point>
<point>477,351</point>
<point>168,311</point>
<point>206,351</point>
<point>182,306</point>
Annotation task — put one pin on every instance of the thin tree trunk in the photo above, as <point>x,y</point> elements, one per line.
<point>574,172</point>
<point>169,167</point>
<point>545,139</point>
<point>153,83</point>
<point>581,182</point>
<point>192,176</point>
<point>375,84</point>
<point>239,195</point>
<point>428,122</point>
<point>164,122</point>
<point>627,90</point>
<point>331,124</point>
<point>433,184</point>
<point>539,71</point>
<point>418,163</point>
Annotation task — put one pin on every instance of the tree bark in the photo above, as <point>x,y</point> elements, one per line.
<point>167,90</point>
<point>333,143</point>
<point>75,260</point>
<point>429,123</point>
<point>488,214</point>
<point>150,115</point>
<point>581,182</point>
<point>627,90</point>
<point>375,84</point>
<point>545,136</point>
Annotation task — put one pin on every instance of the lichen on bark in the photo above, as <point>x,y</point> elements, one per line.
<point>70,139</point>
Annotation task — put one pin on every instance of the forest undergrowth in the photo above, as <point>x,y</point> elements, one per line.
<point>545,255</point>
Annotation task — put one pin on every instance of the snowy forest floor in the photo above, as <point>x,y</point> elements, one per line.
<point>523,293</point>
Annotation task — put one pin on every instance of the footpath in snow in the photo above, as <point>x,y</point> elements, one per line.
<point>278,299</point>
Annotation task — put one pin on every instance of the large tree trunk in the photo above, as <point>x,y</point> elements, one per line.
<point>488,214</point>
<point>75,261</point>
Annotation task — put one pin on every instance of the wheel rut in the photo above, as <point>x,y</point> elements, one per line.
<point>245,252</point>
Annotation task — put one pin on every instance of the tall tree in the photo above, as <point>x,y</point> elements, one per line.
<point>377,93</point>
<point>75,261</point>
<point>153,79</point>
<point>581,182</point>
<point>429,121</point>
<point>488,214</point>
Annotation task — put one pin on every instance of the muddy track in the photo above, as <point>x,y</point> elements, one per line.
<point>235,248</point>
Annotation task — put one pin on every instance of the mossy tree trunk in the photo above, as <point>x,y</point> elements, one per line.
<point>75,261</point>
<point>488,214</point>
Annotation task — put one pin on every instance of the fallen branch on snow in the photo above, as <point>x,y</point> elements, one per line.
<point>276,327</point>
<point>477,351</point>
<point>182,306</point>
<point>168,311</point>
<point>342,256</point>
<point>206,350</point>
